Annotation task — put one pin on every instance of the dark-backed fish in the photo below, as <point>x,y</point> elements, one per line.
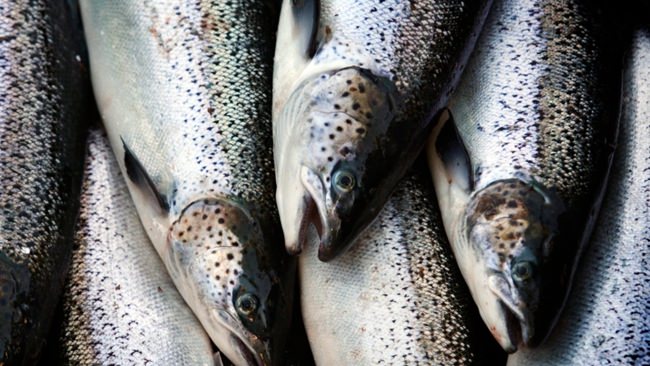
<point>44,93</point>
<point>355,86</point>
<point>120,305</point>
<point>184,89</point>
<point>519,160</point>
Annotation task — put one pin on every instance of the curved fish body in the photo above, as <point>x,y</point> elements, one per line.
<point>184,90</point>
<point>120,305</point>
<point>396,297</point>
<point>43,97</point>
<point>607,319</point>
<point>520,159</point>
<point>354,88</point>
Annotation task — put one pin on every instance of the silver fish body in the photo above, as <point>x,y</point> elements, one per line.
<point>184,90</point>
<point>43,96</point>
<point>520,158</point>
<point>120,305</point>
<point>396,297</point>
<point>607,318</point>
<point>355,86</point>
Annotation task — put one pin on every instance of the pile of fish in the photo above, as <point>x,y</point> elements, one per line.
<point>329,182</point>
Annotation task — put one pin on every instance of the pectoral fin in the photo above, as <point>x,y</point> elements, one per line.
<point>453,154</point>
<point>306,15</point>
<point>141,179</point>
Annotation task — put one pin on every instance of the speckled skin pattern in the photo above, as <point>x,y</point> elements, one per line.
<point>389,66</point>
<point>607,318</point>
<point>120,305</point>
<point>187,87</point>
<point>42,101</point>
<point>535,106</point>
<point>530,97</point>
<point>395,298</point>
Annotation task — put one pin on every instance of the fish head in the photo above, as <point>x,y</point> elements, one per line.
<point>510,226</point>
<point>219,264</point>
<point>331,168</point>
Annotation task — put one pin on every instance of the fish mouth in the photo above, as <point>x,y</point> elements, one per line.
<point>314,210</point>
<point>334,238</point>
<point>248,354</point>
<point>239,346</point>
<point>300,206</point>
<point>510,323</point>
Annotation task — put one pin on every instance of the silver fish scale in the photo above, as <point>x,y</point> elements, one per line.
<point>608,314</point>
<point>41,100</point>
<point>530,97</point>
<point>200,100</point>
<point>413,43</point>
<point>394,297</point>
<point>120,305</point>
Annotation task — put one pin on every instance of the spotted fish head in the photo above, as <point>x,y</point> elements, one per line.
<point>330,169</point>
<point>510,227</point>
<point>217,254</point>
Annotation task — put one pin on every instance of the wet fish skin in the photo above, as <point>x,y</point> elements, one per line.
<point>120,305</point>
<point>396,297</point>
<point>355,86</point>
<point>608,313</point>
<point>44,94</point>
<point>184,90</point>
<point>521,161</point>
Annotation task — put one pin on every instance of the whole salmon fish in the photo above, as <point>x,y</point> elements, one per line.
<point>184,89</point>
<point>355,86</point>
<point>44,94</point>
<point>519,160</point>
<point>120,305</point>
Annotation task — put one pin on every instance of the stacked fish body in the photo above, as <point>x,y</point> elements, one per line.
<point>42,99</point>
<point>608,314</point>
<point>121,306</point>
<point>355,86</point>
<point>520,159</point>
<point>184,92</point>
<point>396,297</point>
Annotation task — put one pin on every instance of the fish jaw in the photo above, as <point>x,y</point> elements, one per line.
<point>297,207</point>
<point>215,260</point>
<point>329,164</point>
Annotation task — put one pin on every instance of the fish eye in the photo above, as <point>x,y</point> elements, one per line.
<point>247,304</point>
<point>344,181</point>
<point>522,271</point>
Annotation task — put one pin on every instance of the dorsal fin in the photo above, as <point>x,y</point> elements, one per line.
<point>140,178</point>
<point>453,153</point>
